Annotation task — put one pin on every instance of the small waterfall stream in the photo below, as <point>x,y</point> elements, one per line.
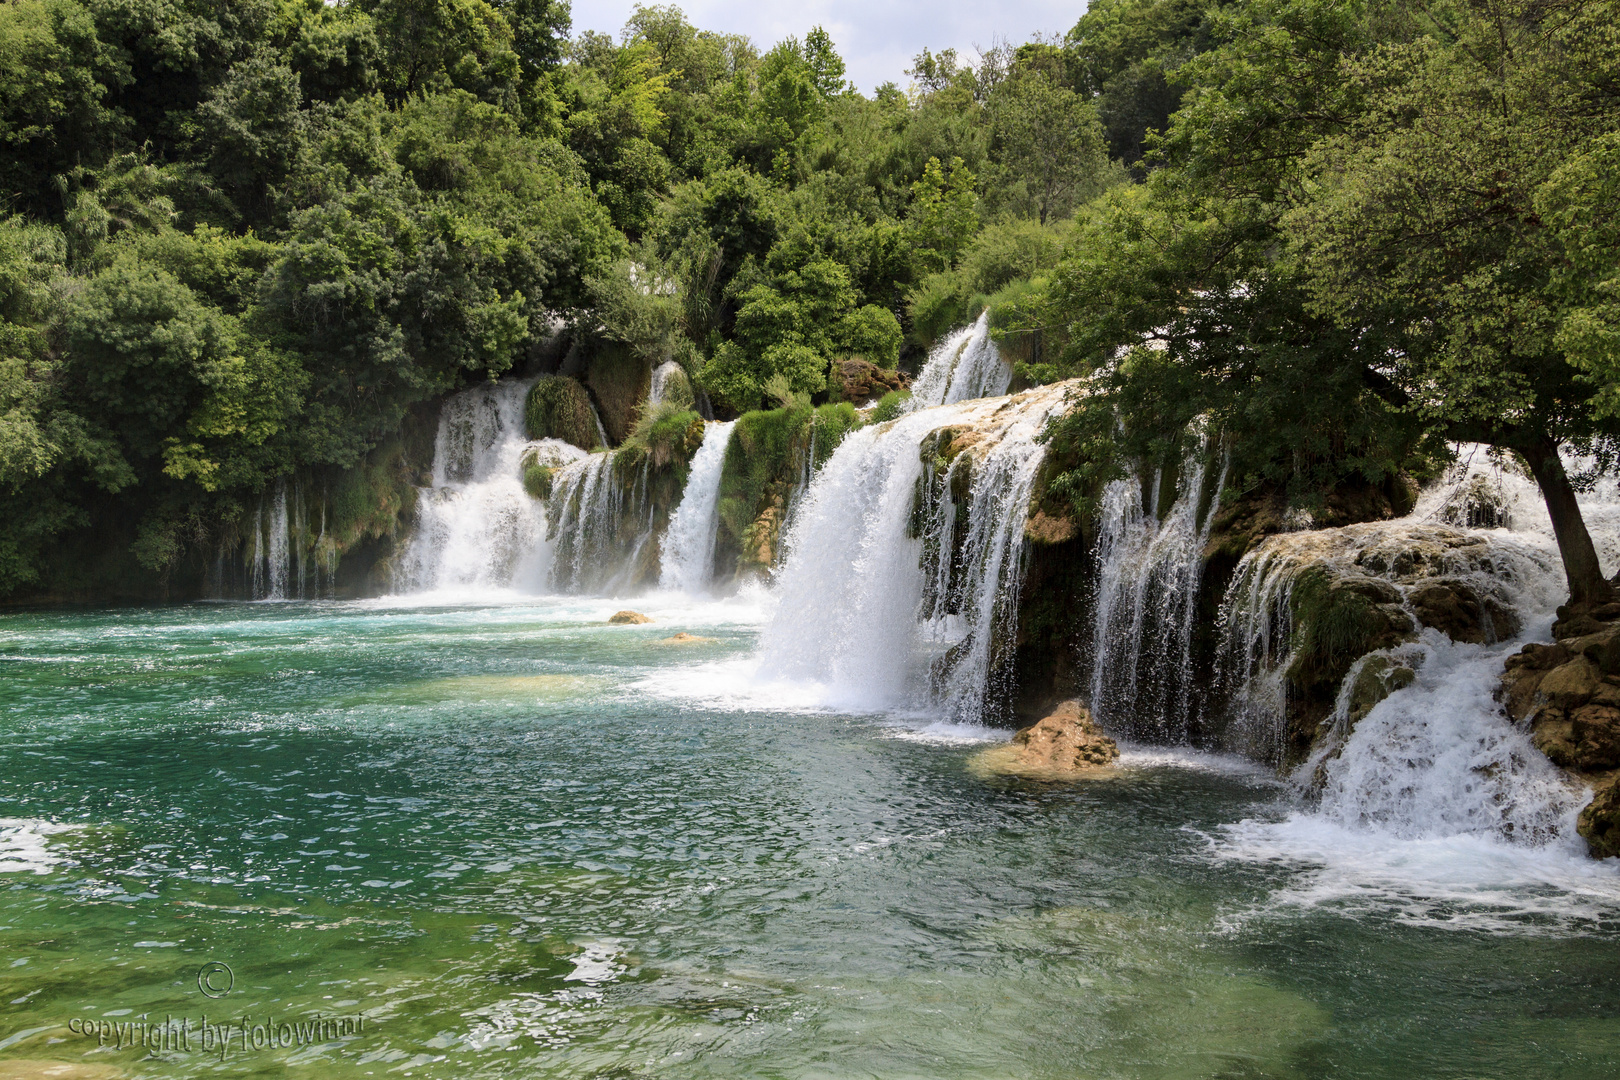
<point>688,553</point>
<point>477,528</point>
<point>895,591</point>
<point>1149,573</point>
<point>964,366</point>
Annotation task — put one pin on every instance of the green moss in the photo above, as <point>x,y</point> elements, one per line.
<point>888,406</point>
<point>537,481</point>
<point>558,408</point>
<point>766,457</point>
<point>1336,621</point>
<point>368,501</point>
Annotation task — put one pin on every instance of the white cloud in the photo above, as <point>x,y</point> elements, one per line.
<point>876,40</point>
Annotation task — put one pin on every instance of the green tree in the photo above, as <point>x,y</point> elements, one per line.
<point>1438,211</point>
<point>1048,144</point>
<point>944,213</point>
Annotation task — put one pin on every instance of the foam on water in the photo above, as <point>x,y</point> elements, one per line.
<point>24,848</point>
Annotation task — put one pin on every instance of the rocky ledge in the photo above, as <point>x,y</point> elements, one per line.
<point>1568,693</point>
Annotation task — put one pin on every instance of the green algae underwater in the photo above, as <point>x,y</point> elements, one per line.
<point>516,841</point>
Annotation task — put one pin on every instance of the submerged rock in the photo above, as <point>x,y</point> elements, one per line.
<point>1065,743</point>
<point>683,638</point>
<point>628,618</point>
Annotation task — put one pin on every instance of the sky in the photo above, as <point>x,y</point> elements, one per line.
<point>876,38</point>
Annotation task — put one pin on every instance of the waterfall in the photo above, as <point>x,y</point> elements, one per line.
<point>477,528</point>
<point>688,552</point>
<point>660,383</point>
<point>1148,578</point>
<point>1438,756</point>
<point>602,533</point>
<point>899,583</point>
<point>964,366</point>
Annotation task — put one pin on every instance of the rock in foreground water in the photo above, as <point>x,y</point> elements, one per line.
<point>1067,740</point>
<point>628,618</point>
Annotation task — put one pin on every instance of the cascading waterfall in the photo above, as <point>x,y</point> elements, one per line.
<point>899,588</point>
<point>1438,757</point>
<point>585,521</point>
<point>688,553</point>
<point>1148,578</point>
<point>964,366</point>
<point>477,528</point>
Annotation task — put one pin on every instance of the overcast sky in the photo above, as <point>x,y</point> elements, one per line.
<point>876,38</point>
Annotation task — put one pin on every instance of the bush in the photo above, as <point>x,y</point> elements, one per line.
<point>537,480</point>
<point>873,332</point>
<point>888,406</point>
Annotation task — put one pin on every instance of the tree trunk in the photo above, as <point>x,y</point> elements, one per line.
<point>1586,582</point>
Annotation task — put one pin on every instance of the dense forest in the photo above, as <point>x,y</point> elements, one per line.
<point>250,240</point>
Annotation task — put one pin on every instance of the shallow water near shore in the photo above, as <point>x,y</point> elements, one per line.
<point>522,842</point>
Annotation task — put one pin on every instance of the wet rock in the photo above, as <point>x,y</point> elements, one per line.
<point>1595,730</point>
<point>628,618</point>
<point>1379,677</point>
<point>1066,740</point>
<point>1599,823</point>
<point>1458,610</point>
<point>859,381</point>
<point>1570,685</point>
<point>683,638</point>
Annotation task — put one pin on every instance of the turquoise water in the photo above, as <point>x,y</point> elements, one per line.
<point>521,842</point>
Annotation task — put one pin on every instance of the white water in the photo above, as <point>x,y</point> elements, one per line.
<point>875,618</point>
<point>1435,808</point>
<point>1148,578</point>
<point>477,529</point>
<point>660,382</point>
<point>594,552</point>
<point>964,366</point>
<point>688,552</point>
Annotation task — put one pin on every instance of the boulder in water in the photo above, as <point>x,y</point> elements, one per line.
<point>1599,823</point>
<point>683,638</point>
<point>1065,743</point>
<point>628,618</point>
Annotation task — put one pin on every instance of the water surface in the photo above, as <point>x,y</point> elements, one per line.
<point>524,843</point>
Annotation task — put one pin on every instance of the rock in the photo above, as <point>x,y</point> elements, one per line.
<point>628,618</point>
<point>859,381</point>
<point>683,638</point>
<point>1554,736</point>
<point>1570,685</point>
<point>1595,730</point>
<point>1379,677</point>
<point>1456,609</point>
<point>1067,740</point>
<point>1520,695</point>
<point>1043,528</point>
<point>1599,823</point>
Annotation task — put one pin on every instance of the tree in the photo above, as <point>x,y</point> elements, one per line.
<point>1047,142</point>
<point>1443,211</point>
<point>944,213</point>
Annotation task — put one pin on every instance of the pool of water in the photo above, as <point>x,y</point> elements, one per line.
<point>520,842</point>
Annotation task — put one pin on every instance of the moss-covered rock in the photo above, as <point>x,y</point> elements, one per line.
<point>770,454</point>
<point>559,408</point>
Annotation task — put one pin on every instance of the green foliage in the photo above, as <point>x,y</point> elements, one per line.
<point>944,214</point>
<point>888,407</point>
<point>559,408</point>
